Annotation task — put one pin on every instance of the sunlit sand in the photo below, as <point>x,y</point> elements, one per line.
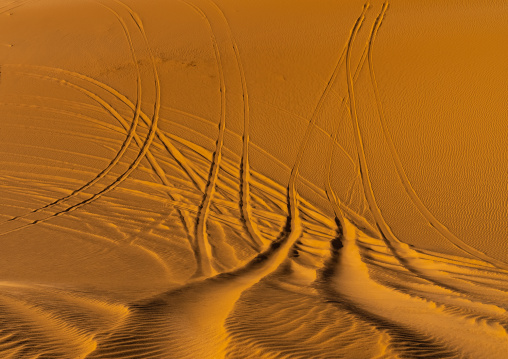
<point>253,179</point>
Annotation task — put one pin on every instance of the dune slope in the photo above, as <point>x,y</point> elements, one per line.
<point>254,179</point>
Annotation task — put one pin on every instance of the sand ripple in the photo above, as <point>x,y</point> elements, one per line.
<point>134,228</point>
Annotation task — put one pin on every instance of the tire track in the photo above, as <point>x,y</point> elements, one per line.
<point>303,119</point>
<point>328,190</point>
<point>347,278</point>
<point>258,241</point>
<point>292,192</point>
<point>153,162</point>
<point>203,245</point>
<point>245,200</point>
<point>385,230</point>
<point>205,303</point>
<point>294,223</point>
<point>173,150</point>
<point>330,193</point>
<point>130,133</point>
<point>310,126</point>
<point>16,4</point>
<point>338,207</point>
<point>275,219</point>
<point>200,228</point>
<point>232,41</point>
<point>228,286</point>
<point>405,255</point>
<point>228,167</point>
<point>115,114</point>
<point>184,215</point>
<point>146,329</point>
<point>396,246</point>
<point>261,186</point>
<point>69,114</point>
<point>245,204</point>
<point>432,220</point>
<point>294,172</point>
<point>108,188</point>
<point>200,184</point>
<point>144,148</point>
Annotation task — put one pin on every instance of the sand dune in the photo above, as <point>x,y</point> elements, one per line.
<point>256,179</point>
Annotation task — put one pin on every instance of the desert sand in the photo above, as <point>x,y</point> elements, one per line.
<point>253,179</point>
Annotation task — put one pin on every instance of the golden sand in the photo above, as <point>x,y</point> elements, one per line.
<point>253,179</point>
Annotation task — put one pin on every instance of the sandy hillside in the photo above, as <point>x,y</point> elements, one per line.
<point>253,179</point>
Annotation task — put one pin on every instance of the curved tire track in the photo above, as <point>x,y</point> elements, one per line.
<point>245,200</point>
<point>442,229</point>
<point>130,134</point>
<point>404,254</point>
<point>144,148</point>
<point>204,249</point>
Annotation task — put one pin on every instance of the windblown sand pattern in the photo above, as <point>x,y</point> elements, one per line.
<point>253,179</point>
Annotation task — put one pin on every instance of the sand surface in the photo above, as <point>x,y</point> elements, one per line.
<point>253,179</point>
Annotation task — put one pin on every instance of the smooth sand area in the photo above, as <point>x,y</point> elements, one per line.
<point>253,179</point>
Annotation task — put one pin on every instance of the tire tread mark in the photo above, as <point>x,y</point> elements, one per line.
<point>245,179</point>
<point>15,4</point>
<point>125,144</point>
<point>338,206</point>
<point>402,252</point>
<point>203,248</point>
<point>292,192</point>
<point>442,229</point>
<point>144,148</point>
<point>66,113</point>
<point>245,202</point>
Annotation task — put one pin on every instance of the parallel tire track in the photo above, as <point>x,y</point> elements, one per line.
<point>203,245</point>
<point>144,148</point>
<point>12,5</point>
<point>400,250</point>
<point>245,179</point>
<point>442,229</point>
<point>245,203</point>
<point>130,134</point>
<point>338,207</point>
<point>395,245</point>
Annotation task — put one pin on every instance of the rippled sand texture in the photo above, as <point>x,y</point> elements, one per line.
<point>253,179</point>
